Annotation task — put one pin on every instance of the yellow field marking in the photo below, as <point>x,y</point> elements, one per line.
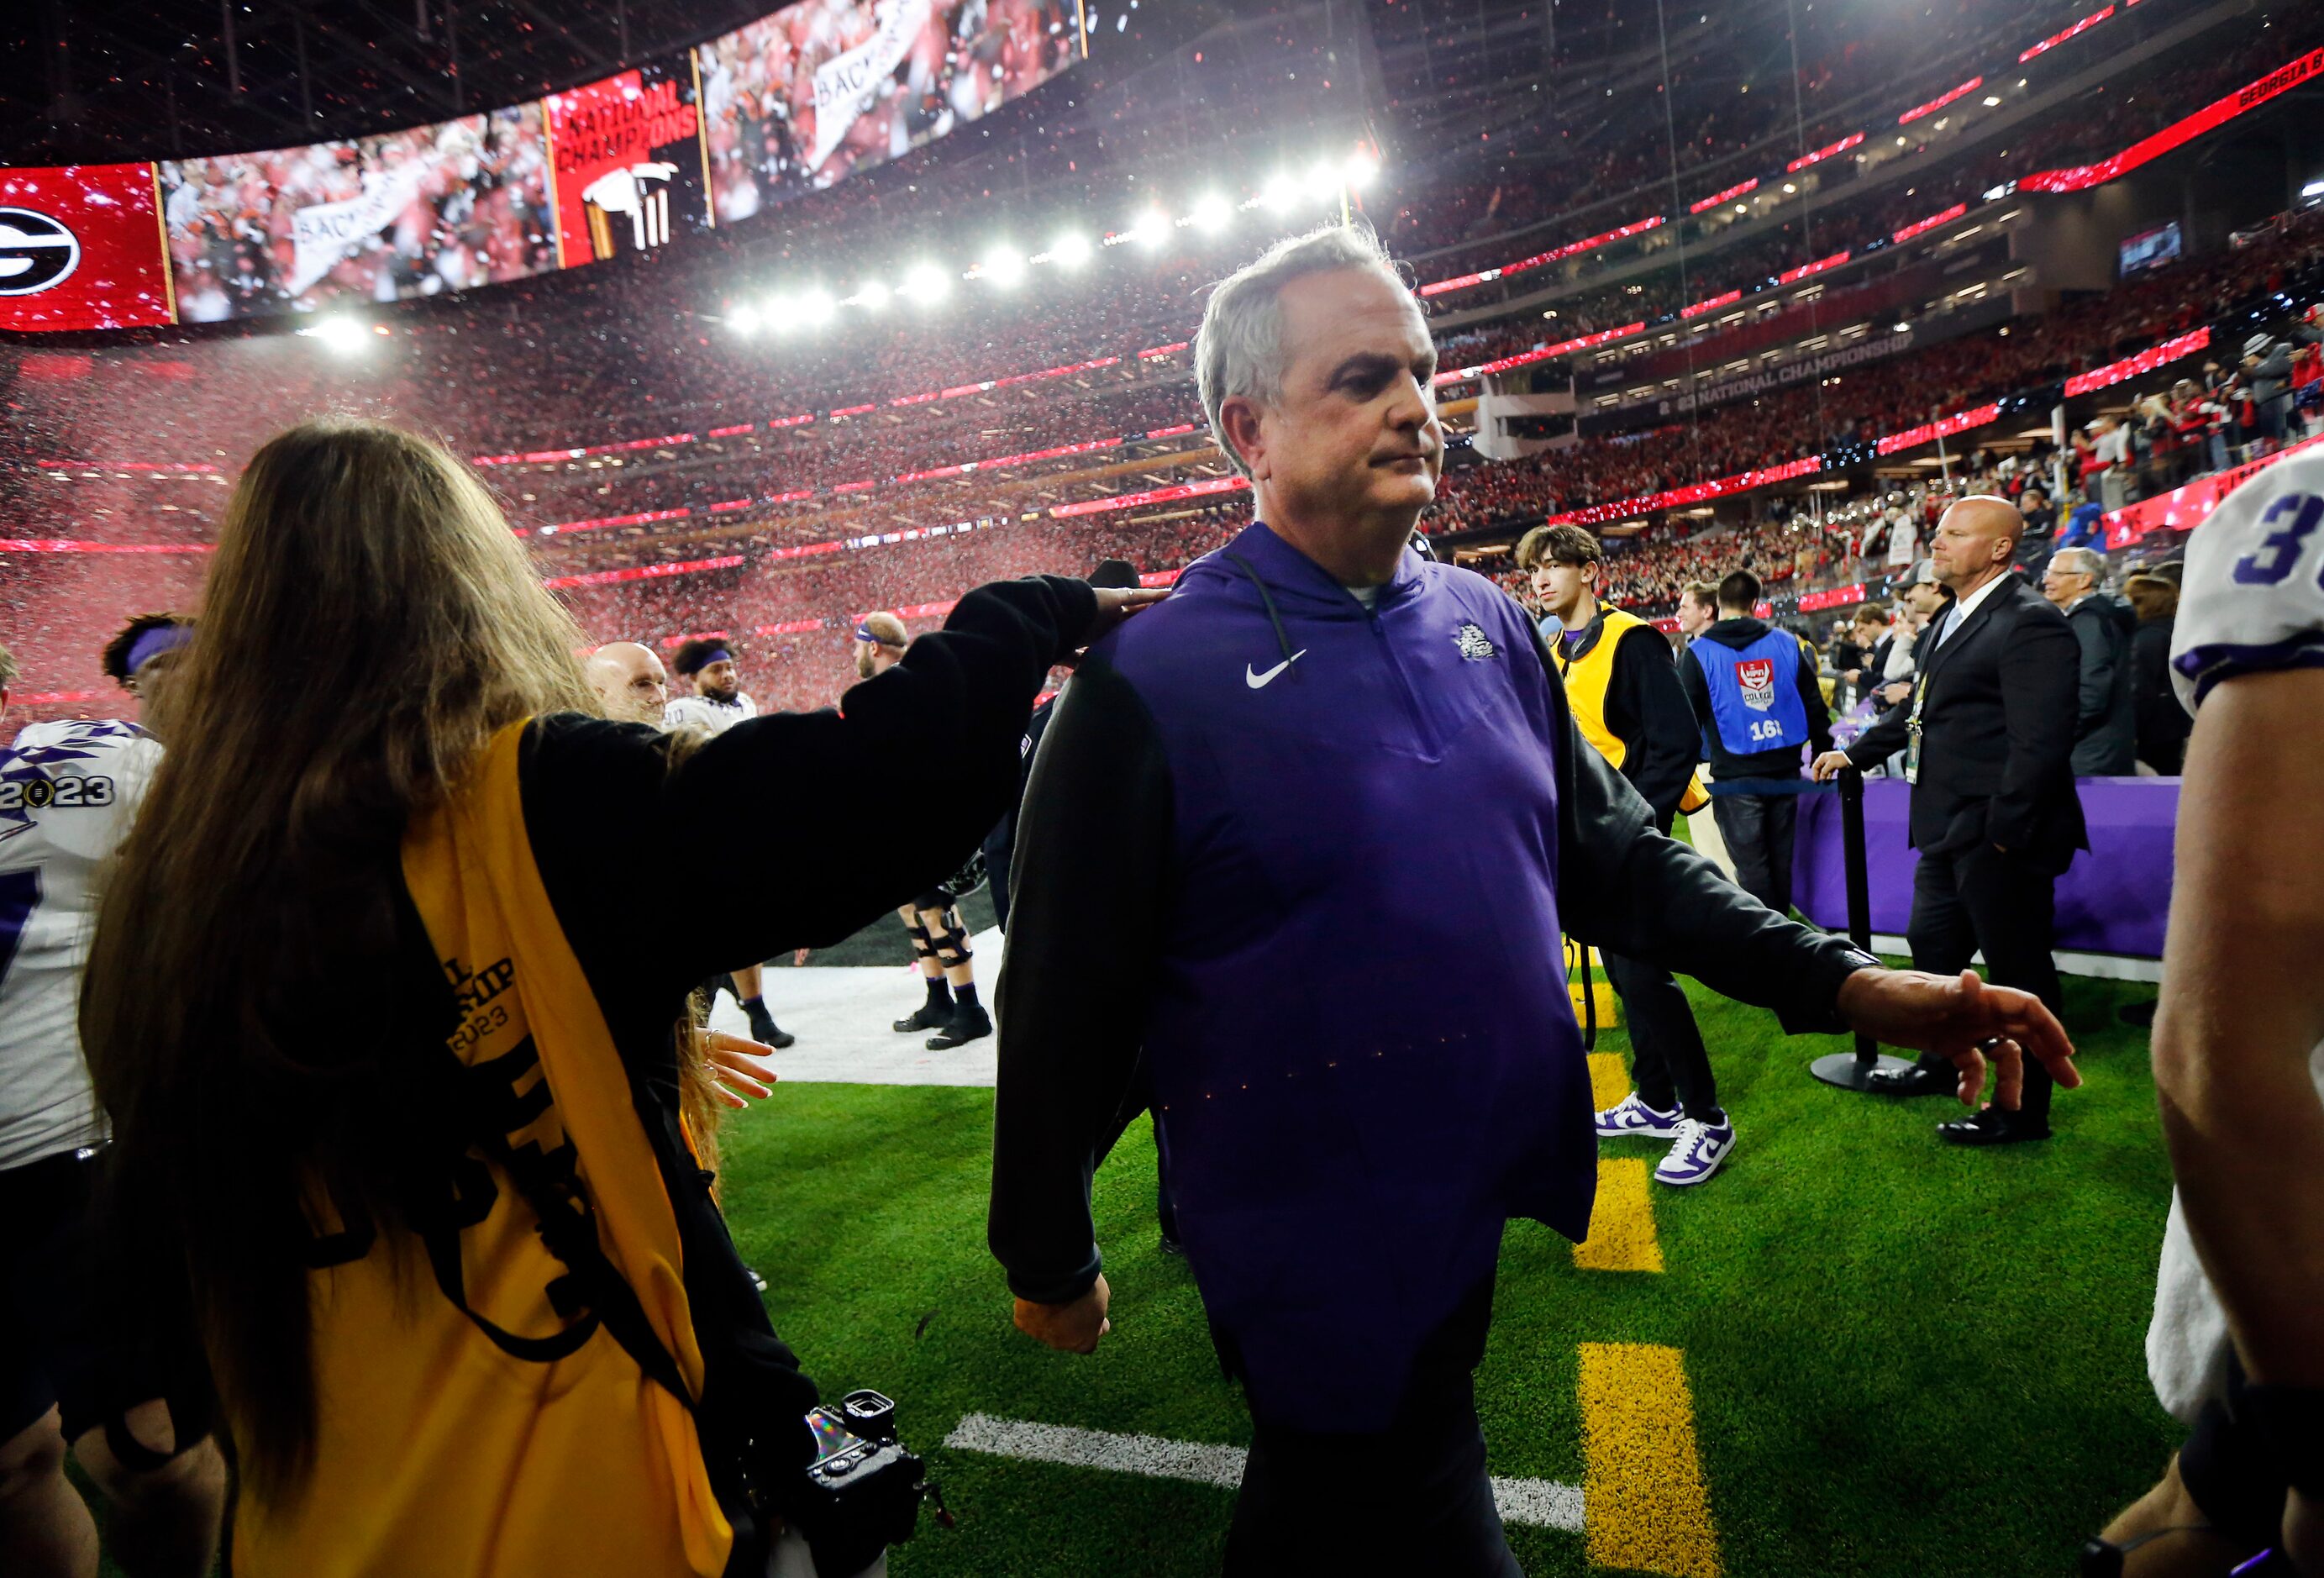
<point>1610,1082</point>
<point>1648,1509</point>
<point>1622,1226</point>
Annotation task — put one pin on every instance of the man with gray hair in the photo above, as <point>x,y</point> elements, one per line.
<point>2106,717</point>
<point>1293,866</point>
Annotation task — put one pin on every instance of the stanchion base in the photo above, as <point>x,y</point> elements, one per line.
<point>1848,1071</point>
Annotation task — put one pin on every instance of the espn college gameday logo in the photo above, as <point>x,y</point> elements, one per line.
<point>1758,678</point>
<point>36,252</point>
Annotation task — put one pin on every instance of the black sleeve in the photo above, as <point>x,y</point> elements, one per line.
<point>1655,724</point>
<point>1087,918</point>
<point>2094,697</point>
<point>1884,738</point>
<point>2040,671</point>
<point>1811,699</point>
<point>1625,885</point>
<point>794,828</point>
<point>1692,680</point>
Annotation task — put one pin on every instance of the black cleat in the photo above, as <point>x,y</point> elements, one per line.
<point>966,1024</point>
<point>763,1029</point>
<point>928,1016</point>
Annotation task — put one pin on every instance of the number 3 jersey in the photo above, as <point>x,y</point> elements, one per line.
<point>2252,603</point>
<point>2254,598</point>
<point>68,792</point>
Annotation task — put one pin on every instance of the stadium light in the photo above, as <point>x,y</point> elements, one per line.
<point>813,308</point>
<point>1004,266</point>
<point>927,284</point>
<point>872,296</point>
<point>1279,194</point>
<point>343,334</point>
<point>1361,169</point>
<point>2314,189</point>
<point>743,320</point>
<point>1212,214</point>
<point>1072,249</point>
<point>1322,184</point>
<point>1152,228</point>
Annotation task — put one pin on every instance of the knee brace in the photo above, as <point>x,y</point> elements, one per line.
<point>951,941</point>
<point>923,946</point>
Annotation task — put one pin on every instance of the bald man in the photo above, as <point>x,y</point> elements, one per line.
<point>631,681</point>
<point>1987,733</point>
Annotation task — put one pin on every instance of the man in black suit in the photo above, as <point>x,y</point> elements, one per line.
<point>1989,738</point>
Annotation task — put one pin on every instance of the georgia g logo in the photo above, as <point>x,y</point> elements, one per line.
<point>35,252</point>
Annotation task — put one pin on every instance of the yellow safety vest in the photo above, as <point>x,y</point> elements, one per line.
<point>436,1451</point>
<point>1586,679</point>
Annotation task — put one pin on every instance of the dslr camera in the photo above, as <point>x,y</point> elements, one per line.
<point>864,1488</point>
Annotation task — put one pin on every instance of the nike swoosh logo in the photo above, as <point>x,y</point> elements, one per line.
<point>1258,681</point>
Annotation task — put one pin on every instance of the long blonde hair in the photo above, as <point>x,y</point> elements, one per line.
<point>369,622</point>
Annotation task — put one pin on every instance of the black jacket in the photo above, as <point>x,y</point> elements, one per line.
<point>2106,725</point>
<point>1997,742</point>
<point>1646,710</point>
<point>2163,725</point>
<point>1726,765</point>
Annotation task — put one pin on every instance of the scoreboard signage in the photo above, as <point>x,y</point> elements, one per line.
<point>627,152</point>
<point>80,247</point>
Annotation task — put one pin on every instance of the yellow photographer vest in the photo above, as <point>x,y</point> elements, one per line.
<point>436,1452</point>
<point>1586,679</point>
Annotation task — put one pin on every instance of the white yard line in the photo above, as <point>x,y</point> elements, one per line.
<point>1543,1503</point>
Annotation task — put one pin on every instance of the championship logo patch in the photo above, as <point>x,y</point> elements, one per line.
<point>1758,678</point>
<point>1475,645</point>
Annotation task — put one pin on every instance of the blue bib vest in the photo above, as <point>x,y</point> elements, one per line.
<point>1753,701</point>
<point>1364,1056</point>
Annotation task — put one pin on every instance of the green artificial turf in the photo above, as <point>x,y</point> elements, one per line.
<point>1905,1359</point>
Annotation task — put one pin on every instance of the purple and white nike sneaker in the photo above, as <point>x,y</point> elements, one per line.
<point>1700,1150</point>
<point>1632,1118</point>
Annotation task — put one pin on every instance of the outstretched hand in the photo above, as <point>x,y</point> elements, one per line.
<point>740,1073</point>
<point>1070,1328</point>
<point>1829,766</point>
<point>1964,1022</point>
<point>1115,605</point>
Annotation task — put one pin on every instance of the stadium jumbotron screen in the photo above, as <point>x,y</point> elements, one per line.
<point>786,105</point>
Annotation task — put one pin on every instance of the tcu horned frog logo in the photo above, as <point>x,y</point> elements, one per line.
<point>35,252</point>
<point>1758,678</point>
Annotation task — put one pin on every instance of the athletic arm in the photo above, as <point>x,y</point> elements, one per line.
<point>1090,902</point>
<point>1661,737</point>
<point>2242,1010</point>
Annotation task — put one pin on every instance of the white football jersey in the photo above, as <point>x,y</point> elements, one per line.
<point>67,794</point>
<point>716,716</point>
<point>2253,602</point>
<point>2253,597</point>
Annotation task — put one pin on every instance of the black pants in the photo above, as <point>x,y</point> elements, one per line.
<point>1758,830</point>
<point>1412,1498</point>
<point>2004,905</point>
<point>1667,1060</point>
